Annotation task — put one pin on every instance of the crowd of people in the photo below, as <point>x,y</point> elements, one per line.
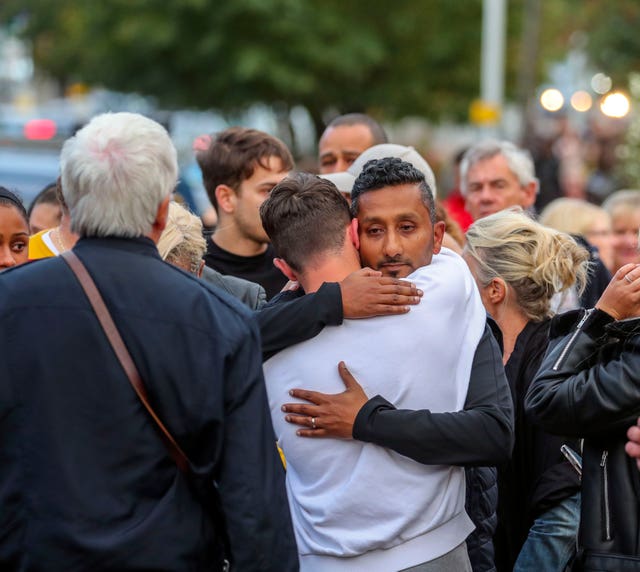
<point>346,374</point>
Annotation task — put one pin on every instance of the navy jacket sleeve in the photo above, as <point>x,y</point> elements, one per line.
<point>481,434</point>
<point>285,321</point>
<point>251,478</point>
<point>588,379</point>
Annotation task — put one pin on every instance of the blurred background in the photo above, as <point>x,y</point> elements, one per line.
<point>560,77</point>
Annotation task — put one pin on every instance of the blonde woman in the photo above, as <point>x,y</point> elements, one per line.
<point>580,218</point>
<point>624,208</point>
<point>519,265</point>
<point>182,244</point>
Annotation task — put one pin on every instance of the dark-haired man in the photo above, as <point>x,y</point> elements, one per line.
<point>345,138</point>
<point>317,243</point>
<point>392,240</point>
<point>481,435</point>
<point>239,168</point>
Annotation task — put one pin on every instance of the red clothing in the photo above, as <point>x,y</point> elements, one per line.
<point>454,204</point>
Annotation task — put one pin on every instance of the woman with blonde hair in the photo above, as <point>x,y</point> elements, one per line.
<point>624,208</point>
<point>583,219</point>
<point>519,265</point>
<point>182,244</point>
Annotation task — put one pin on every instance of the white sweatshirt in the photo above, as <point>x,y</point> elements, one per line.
<point>356,506</point>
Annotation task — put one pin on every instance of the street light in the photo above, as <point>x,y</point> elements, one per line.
<point>615,104</point>
<point>551,99</point>
<point>581,101</point>
<point>601,83</point>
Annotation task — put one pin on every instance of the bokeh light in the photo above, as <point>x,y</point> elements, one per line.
<point>551,99</point>
<point>615,104</point>
<point>601,83</point>
<point>40,129</point>
<point>581,101</point>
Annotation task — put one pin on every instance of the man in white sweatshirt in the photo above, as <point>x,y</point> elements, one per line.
<point>356,506</point>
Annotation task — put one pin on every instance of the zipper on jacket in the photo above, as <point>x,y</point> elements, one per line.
<point>605,495</point>
<point>571,341</point>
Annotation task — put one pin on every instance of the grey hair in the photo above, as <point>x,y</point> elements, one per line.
<point>621,201</point>
<point>519,161</point>
<point>115,173</point>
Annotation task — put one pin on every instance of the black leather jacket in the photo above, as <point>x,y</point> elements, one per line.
<point>589,386</point>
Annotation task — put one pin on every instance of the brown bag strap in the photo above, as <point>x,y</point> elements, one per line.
<point>123,355</point>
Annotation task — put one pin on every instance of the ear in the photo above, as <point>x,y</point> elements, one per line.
<point>160,221</point>
<point>281,265</point>
<point>226,198</point>
<point>529,192</point>
<point>200,269</point>
<point>496,290</point>
<point>353,233</point>
<point>438,236</point>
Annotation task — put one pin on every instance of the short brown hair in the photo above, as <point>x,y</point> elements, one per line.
<point>233,155</point>
<point>305,216</point>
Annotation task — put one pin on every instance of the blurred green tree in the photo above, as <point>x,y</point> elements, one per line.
<point>395,59</point>
<point>609,28</point>
<point>614,42</point>
<point>409,57</point>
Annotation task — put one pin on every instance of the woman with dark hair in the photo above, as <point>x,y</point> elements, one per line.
<point>53,241</point>
<point>45,211</point>
<point>14,230</point>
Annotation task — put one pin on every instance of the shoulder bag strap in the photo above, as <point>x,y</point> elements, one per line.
<point>211,501</point>
<point>123,355</point>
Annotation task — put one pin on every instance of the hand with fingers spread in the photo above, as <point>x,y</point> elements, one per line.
<point>329,415</point>
<point>367,293</point>
<point>633,445</point>
<point>621,299</point>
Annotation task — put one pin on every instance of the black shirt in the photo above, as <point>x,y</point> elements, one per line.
<point>538,476</point>
<point>259,268</point>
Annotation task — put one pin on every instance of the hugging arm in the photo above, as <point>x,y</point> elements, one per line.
<point>480,434</point>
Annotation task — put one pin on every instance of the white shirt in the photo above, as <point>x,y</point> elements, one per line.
<point>356,505</point>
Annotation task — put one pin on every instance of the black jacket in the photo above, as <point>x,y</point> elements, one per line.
<point>589,386</point>
<point>86,483</point>
<point>538,476</point>
<point>481,501</point>
<point>291,317</point>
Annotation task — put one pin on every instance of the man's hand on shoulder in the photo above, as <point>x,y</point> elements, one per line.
<point>327,415</point>
<point>367,293</point>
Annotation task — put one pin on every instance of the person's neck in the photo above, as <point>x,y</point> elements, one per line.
<point>511,322</point>
<point>67,237</point>
<point>330,270</point>
<point>229,238</point>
